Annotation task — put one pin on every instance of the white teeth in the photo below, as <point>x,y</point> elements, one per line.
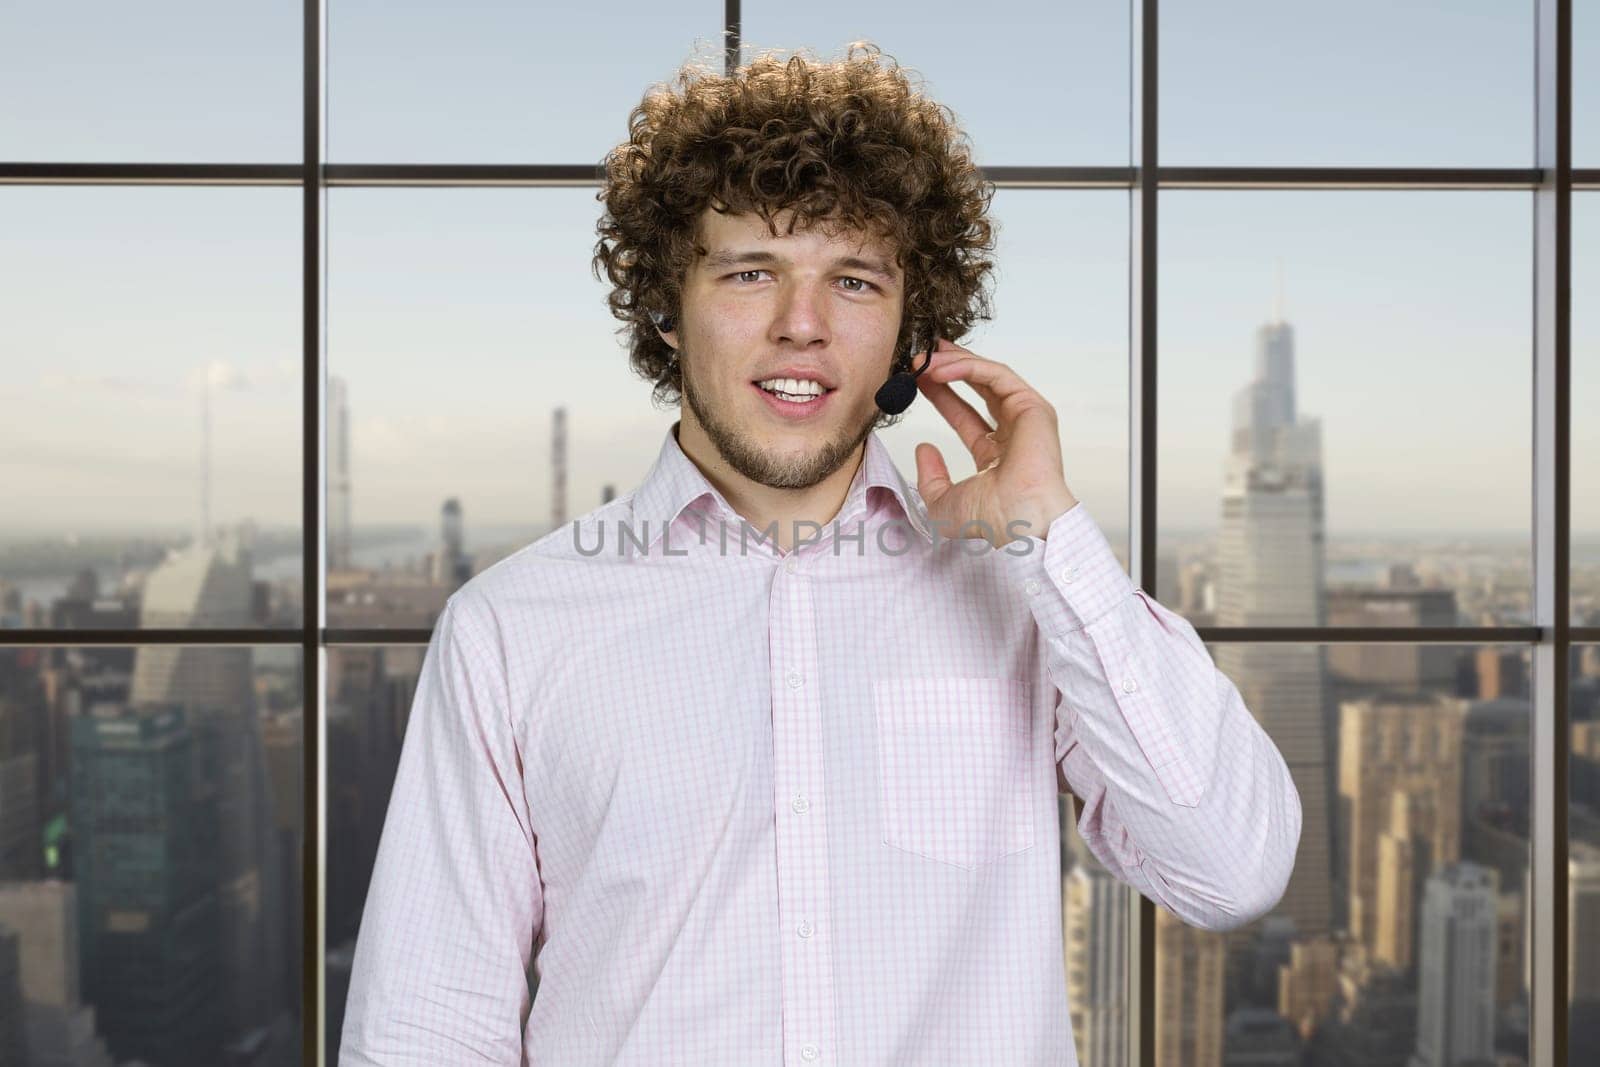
<point>792,387</point>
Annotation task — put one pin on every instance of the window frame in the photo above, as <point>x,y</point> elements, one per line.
<point>1551,637</point>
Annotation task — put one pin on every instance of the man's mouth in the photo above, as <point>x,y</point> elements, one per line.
<point>794,390</point>
<point>793,398</point>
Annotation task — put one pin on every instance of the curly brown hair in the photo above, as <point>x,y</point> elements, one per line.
<point>848,143</point>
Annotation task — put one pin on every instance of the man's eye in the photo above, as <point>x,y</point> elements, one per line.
<point>863,284</point>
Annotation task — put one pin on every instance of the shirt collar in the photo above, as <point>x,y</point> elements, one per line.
<point>675,483</point>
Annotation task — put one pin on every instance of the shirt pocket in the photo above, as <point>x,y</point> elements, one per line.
<point>955,767</point>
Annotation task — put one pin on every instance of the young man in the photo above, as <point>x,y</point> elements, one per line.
<point>758,764</point>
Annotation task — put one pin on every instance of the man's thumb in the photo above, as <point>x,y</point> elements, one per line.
<point>933,477</point>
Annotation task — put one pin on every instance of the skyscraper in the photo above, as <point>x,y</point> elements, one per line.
<point>1583,933</point>
<point>1400,791</point>
<point>451,564</point>
<point>1189,993</point>
<point>1094,915</point>
<point>211,585</point>
<point>558,468</point>
<point>1455,1001</point>
<point>146,861</point>
<point>1270,573</point>
<point>59,1028</point>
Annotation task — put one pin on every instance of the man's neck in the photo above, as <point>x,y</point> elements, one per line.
<point>762,505</point>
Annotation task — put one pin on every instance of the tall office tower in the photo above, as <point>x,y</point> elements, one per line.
<point>26,735</point>
<point>145,847</point>
<point>1496,785</point>
<point>1189,992</point>
<point>21,854</point>
<point>283,742</point>
<point>1094,914</point>
<point>339,544</point>
<point>1455,996</point>
<point>451,567</point>
<point>1308,983</point>
<point>1400,799</point>
<point>1270,573</point>
<point>213,685</point>
<point>204,586</point>
<point>1508,987</point>
<point>1583,934</point>
<point>13,1047</point>
<point>60,1028</point>
<point>558,468</point>
<point>1400,871</point>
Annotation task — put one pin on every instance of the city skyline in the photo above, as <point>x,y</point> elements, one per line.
<point>395,322</point>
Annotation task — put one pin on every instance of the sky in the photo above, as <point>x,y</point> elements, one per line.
<point>460,318</point>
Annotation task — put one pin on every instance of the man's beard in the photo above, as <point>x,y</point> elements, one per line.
<point>762,467</point>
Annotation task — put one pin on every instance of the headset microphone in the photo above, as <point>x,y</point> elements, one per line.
<point>896,394</point>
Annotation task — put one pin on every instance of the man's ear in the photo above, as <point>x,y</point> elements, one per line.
<point>665,328</point>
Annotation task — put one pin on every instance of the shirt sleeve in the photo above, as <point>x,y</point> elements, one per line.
<point>1185,797</point>
<point>440,971</point>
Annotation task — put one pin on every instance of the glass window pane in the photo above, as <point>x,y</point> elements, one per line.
<point>1061,322</point>
<point>460,323</point>
<point>1361,83</point>
<point>1349,445</point>
<point>1056,93</point>
<point>487,82</point>
<point>1586,83</point>
<point>1583,858</point>
<point>1404,926</point>
<point>1585,443</point>
<point>182,81</point>
<point>151,816</point>
<point>153,339</point>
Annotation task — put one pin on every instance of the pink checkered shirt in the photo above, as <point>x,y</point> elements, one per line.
<point>735,806</point>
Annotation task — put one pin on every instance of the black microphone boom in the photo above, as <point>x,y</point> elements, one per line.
<point>896,394</point>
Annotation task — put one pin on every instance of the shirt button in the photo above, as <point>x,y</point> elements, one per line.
<point>795,680</point>
<point>804,929</point>
<point>809,1052</point>
<point>791,564</point>
<point>1069,573</point>
<point>1129,685</point>
<point>1031,586</point>
<point>800,803</point>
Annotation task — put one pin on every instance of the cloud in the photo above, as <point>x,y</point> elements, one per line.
<point>221,375</point>
<point>79,381</point>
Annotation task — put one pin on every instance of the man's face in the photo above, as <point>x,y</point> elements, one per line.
<point>796,306</point>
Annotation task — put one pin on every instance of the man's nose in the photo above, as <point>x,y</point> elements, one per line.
<point>802,314</point>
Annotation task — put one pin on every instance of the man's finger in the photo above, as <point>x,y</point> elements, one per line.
<point>991,381</point>
<point>968,424</point>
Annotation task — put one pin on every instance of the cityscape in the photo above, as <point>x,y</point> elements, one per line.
<point>150,815</point>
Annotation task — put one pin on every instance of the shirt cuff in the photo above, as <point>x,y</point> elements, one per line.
<point>1070,577</point>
